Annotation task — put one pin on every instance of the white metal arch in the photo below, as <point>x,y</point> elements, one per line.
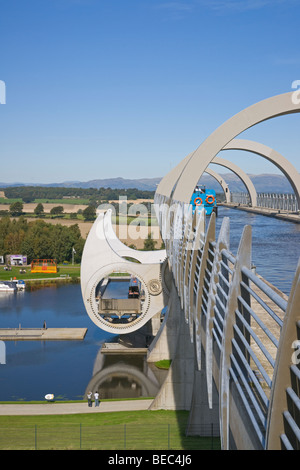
<point>242,175</point>
<point>221,181</point>
<point>270,154</point>
<point>183,179</point>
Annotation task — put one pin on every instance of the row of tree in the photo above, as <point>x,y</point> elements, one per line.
<point>16,210</point>
<point>89,213</point>
<point>39,239</point>
<point>31,193</point>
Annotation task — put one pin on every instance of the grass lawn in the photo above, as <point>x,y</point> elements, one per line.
<point>163,364</point>
<point>143,430</point>
<point>70,270</point>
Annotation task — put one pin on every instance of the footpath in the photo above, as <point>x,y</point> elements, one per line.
<point>276,213</point>
<point>73,408</point>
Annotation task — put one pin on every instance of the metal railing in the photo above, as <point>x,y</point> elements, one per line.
<point>243,325</point>
<point>285,202</point>
<point>281,202</point>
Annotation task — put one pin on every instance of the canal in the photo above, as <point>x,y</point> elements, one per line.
<point>69,368</point>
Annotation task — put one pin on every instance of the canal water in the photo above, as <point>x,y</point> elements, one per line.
<point>275,244</point>
<point>69,368</point>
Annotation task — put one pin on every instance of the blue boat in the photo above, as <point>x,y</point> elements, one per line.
<point>203,198</point>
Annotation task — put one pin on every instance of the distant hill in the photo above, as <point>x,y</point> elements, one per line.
<point>275,183</point>
<point>146,184</point>
<point>264,183</point>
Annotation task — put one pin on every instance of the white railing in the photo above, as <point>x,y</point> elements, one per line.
<point>242,323</point>
<point>284,202</point>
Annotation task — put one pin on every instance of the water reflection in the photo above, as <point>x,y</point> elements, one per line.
<point>124,376</point>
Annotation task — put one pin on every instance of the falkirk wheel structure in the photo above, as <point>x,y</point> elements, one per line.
<point>233,340</point>
<point>104,257</point>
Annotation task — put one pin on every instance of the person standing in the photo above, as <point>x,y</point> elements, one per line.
<point>89,397</point>
<point>96,396</point>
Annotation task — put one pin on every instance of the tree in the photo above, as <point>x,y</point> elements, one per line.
<point>89,213</point>
<point>39,210</point>
<point>149,243</point>
<point>28,198</point>
<point>57,210</point>
<point>16,208</point>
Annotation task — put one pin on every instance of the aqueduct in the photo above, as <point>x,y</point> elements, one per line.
<point>229,367</point>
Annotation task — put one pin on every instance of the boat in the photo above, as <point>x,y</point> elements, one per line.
<point>20,284</point>
<point>203,198</point>
<point>7,286</point>
<point>134,288</point>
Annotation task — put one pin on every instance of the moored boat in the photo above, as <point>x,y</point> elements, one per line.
<point>203,198</point>
<point>20,284</point>
<point>7,286</point>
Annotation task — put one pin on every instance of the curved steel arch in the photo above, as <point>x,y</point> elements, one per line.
<point>221,181</point>
<point>242,175</point>
<point>218,161</point>
<point>270,154</point>
<point>184,177</point>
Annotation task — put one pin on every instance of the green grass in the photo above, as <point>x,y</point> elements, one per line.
<point>63,400</point>
<point>154,430</point>
<point>3,200</point>
<point>163,364</point>
<point>72,271</point>
<point>134,220</point>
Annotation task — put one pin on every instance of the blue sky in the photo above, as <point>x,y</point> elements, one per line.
<point>127,88</point>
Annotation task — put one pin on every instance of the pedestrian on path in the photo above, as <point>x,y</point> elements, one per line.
<point>89,397</point>
<point>96,396</point>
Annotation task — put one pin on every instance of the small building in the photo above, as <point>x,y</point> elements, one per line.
<point>44,266</point>
<point>16,260</point>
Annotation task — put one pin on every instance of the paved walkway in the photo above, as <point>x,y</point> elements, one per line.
<point>44,334</point>
<point>283,215</point>
<point>73,408</point>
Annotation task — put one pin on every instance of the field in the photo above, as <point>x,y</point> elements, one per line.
<point>153,430</point>
<point>69,205</point>
<point>29,208</point>
<point>125,227</point>
<point>129,234</point>
<point>63,272</point>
